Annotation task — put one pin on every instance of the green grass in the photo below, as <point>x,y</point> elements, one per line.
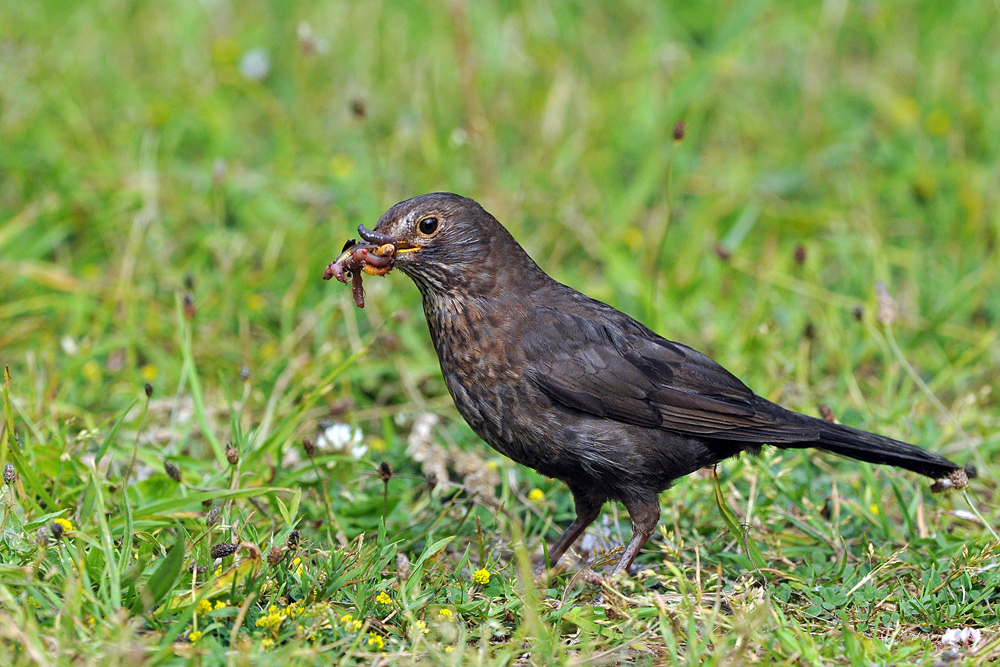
<point>138,165</point>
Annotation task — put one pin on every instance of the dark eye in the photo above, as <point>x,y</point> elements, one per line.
<point>428,226</point>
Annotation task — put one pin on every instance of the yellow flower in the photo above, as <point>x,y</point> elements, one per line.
<point>297,567</point>
<point>91,371</point>
<point>421,626</point>
<point>874,509</point>
<point>356,625</point>
<point>203,607</point>
<point>449,649</point>
<point>481,576</point>
<point>341,165</point>
<point>267,643</point>
<point>194,636</point>
<point>64,523</point>
<point>383,598</point>
<point>149,372</point>
<point>346,618</point>
<point>256,302</point>
<point>445,615</point>
<point>376,640</point>
<point>221,605</point>
<point>536,495</point>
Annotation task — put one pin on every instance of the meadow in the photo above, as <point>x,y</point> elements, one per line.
<point>212,457</point>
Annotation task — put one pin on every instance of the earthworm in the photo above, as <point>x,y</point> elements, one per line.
<point>354,260</point>
<point>375,237</point>
<point>358,290</point>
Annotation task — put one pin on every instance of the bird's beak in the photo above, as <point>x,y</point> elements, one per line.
<point>383,240</point>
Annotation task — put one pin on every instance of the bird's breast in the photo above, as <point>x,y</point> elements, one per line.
<point>482,363</point>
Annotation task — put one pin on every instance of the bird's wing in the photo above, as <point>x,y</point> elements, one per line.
<point>623,371</point>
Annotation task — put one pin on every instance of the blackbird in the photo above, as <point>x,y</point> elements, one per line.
<point>575,389</point>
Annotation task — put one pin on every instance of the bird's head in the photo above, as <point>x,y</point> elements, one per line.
<point>445,243</point>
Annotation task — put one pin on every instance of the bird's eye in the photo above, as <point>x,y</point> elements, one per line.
<point>428,226</point>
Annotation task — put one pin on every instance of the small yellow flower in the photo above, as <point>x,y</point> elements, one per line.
<point>356,625</point>
<point>874,509</point>
<point>383,598</point>
<point>376,640</point>
<point>536,495</point>
<point>346,618</point>
<point>341,165</point>
<point>297,567</point>
<point>481,576</point>
<point>267,643</point>
<point>203,607</point>
<point>449,649</point>
<point>256,302</point>
<point>64,523</point>
<point>445,615</point>
<point>194,636</point>
<point>421,626</point>
<point>220,605</point>
<point>91,371</point>
<point>149,372</point>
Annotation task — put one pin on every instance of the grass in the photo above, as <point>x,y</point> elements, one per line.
<point>165,219</point>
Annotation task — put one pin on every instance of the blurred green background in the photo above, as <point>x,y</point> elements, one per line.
<point>136,153</point>
<point>225,151</point>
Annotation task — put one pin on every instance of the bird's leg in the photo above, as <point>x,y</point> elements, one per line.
<point>587,509</point>
<point>645,514</point>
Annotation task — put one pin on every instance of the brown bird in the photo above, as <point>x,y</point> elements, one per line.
<point>575,389</point>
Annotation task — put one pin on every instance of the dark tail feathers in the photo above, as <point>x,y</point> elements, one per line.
<point>864,446</point>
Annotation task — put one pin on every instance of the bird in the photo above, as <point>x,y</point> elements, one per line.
<point>575,389</point>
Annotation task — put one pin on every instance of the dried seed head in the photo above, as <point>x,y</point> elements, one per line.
<point>56,530</point>
<point>42,536</point>
<point>244,372</point>
<point>826,412</point>
<point>385,471</point>
<point>887,310</point>
<point>402,566</point>
<point>293,539</point>
<point>359,109</point>
<point>309,446</point>
<point>680,128</point>
<point>189,309</point>
<point>149,390</point>
<point>800,254</point>
<point>212,519</point>
<point>723,252</point>
<point>858,313</point>
<point>173,472</point>
<point>223,549</point>
<point>232,455</point>
<point>275,555</point>
<point>188,282</point>
<point>9,476</point>
<point>199,569</point>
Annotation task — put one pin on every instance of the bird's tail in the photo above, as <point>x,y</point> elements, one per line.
<point>864,446</point>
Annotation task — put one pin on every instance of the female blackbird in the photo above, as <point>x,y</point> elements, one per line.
<point>575,389</point>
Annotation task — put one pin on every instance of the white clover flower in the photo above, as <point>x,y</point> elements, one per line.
<point>341,438</point>
<point>967,637</point>
<point>255,65</point>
